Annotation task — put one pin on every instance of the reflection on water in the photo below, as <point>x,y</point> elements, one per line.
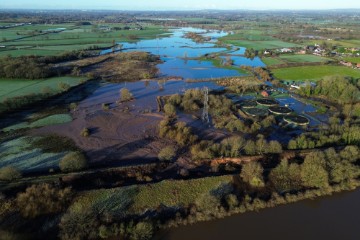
<point>145,92</point>
<point>174,49</point>
<point>330,218</point>
<point>194,69</point>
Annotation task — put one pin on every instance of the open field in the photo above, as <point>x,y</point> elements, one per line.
<point>270,61</point>
<point>19,87</point>
<point>314,72</point>
<point>259,45</point>
<point>303,58</point>
<point>73,38</point>
<point>352,59</point>
<point>20,153</point>
<point>294,58</point>
<point>47,121</point>
<point>344,43</point>
<point>138,199</point>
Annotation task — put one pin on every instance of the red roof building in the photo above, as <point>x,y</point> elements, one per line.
<point>265,94</point>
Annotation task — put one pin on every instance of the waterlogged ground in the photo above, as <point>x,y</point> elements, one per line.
<point>128,133</point>
<point>175,49</point>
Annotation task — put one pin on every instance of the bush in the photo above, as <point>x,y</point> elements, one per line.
<point>142,230</point>
<point>170,110</point>
<point>167,154</point>
<point>105,106</point>
<point>85,132</point>
<point>252,173</point>
<point>79,225</point>
<point>43,199</point>
<point>125,95</point>
<point>73,162</point>
<point>9,174</point>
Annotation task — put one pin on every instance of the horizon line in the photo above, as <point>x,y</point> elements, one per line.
<point>182,10</point>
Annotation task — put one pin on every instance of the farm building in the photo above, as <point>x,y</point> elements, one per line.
<point>265,93</point>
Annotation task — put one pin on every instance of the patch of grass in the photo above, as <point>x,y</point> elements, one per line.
<point>74,38</point>
<point>55,144</point>
<point>314,72</point>
<point>47,121</point>
<point>137,199</point>
<point>270,61</point>
<point>352,59</point>
<point>20,154</point>
<point>115,201</point>
<point>19,87</point>
<point>175,193</point>
<point>297,58</point>
<point>258,45</point>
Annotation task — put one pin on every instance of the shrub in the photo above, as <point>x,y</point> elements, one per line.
<point>142,230</point>
<point>105,106</point>
<point>167,154</point>
<point>64,86</point>
<point>252,173</point>
<point>73,106</point>
<point>9,174</point>
<point>170,110</point>
<point>125,95</point>
<point>72,162</point>
<point>85,132</point>
<point>79,225</point>
<point>42,199</point>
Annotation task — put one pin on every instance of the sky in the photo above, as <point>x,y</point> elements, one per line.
<point>179,4</point>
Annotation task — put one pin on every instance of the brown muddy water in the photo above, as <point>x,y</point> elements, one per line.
<point>330,218</point>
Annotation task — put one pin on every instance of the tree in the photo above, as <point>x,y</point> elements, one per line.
<point>340,169</point>
<point>274,147</point>
<point>142,230</point>
<point>261,144</point>
<point>170,110</point>
<point>72,162</point>
<point>313,173</point>
<point>250,147</point>
<point>167,154</point>
<point>43,199</point>
<point>231,147</point>
<point>286,177</point>
<point>350,153</point>
<point>252,173</point>
<point>125,95</point>
<point>9,174</point>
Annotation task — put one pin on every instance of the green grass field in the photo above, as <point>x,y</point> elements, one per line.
<point>47,121</point>
<point>18,87</point>
<point>352,59</point>
<point>20,154</point>
<point>297,58</point>
<point>137,199</point>
<point>314,72</point>
<point>74,38</point>
<point>271,61</point>
<point>258,45</point>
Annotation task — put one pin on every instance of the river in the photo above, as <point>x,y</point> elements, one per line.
<point>332,218</point>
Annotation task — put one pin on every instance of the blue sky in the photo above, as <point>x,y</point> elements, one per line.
<point>179,4</point>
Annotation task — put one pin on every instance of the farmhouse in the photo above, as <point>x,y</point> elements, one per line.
<point>265,93</point>
<point>348,64</point>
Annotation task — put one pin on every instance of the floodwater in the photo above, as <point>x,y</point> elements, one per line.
<point>176,50</point>
<point>329,218</point>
